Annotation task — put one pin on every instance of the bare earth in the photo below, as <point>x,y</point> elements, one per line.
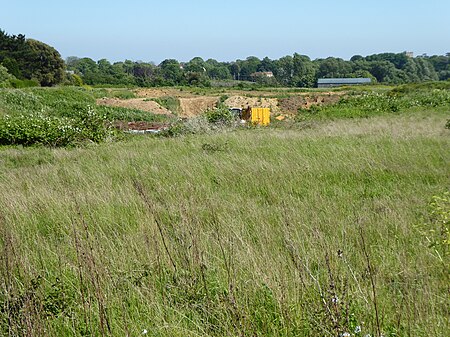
<point>135,103</point>
<point>192,104</point>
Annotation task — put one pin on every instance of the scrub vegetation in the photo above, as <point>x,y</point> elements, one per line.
<point>322,227</point>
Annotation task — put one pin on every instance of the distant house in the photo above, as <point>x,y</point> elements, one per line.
<point>262,74</point>
<point>337,82</point>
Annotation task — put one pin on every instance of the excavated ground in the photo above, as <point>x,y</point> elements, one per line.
<point>192,104</point>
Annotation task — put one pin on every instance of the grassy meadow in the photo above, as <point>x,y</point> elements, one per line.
<point>325,227</point>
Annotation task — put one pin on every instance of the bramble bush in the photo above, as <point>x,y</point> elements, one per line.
<point>37,128</point>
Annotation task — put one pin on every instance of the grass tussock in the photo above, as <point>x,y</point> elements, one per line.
<point>323,231</point>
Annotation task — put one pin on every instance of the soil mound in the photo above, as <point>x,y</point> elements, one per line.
<point>259,102</point>
<point>196,105</point>
<point>135,103</point>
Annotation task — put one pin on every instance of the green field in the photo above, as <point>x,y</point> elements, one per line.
<point>320,227</point>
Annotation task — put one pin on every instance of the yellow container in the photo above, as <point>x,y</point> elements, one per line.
<point>258,116</point>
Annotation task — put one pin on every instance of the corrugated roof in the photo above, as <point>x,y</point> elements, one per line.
<point>358,80</point>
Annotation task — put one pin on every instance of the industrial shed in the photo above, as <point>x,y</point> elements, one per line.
<point>337,82</point>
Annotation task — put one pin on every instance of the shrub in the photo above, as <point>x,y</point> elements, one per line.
<point>5,77</point>
<point>37,128</point>
<point>219,115</point>
<point>16,83</point>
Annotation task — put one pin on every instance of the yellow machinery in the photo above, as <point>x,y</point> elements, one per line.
<point>256,116</point>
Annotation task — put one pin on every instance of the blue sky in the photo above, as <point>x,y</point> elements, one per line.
<point>232,29</point>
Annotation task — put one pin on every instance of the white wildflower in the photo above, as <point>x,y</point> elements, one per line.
<point>144,332</point>
<point>358,329</point>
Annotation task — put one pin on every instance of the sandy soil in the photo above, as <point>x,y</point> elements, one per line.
<point>135,103</point>
<point>196,105</point>
<point>191,103</point>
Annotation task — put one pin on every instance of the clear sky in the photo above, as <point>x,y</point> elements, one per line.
<point>232,29</point>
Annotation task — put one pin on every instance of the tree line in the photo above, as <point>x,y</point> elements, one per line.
<point>28,59</point>
<point>292,71</point>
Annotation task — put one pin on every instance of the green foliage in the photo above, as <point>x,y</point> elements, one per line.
<point>124,93</point>
<point>67,101</point>
<point>437,228</point>
<point>170,103</point>
<point>62,116</point>
<point>5,77</point>
<point>29,59</point>
<point>44,64</point>
<point>37,128</point>
<point>219,115</point>
<point>369,103</point>
<point>73,80</point>
<point>130,115</point>
<point>19,84</point>
<point>293,71</point>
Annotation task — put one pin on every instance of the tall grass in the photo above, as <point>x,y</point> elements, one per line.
<point>264,232</point>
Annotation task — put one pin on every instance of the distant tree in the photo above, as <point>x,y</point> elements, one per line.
<point>285,70</point>
<point>220,72</point>
<point>235,70</point>
<point>171,72</point>
<point>196,65</point>
<point>249,66</point>
<point>304,71</point>
<point>71,61</point>
<point>297,70</point>
<point>334,67</point>
<point>398,60</point>
<point>197,79</point>
<point>425,70</point>
<point>266,64</point>
<point>356,58</point>
<point>43,63</point>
